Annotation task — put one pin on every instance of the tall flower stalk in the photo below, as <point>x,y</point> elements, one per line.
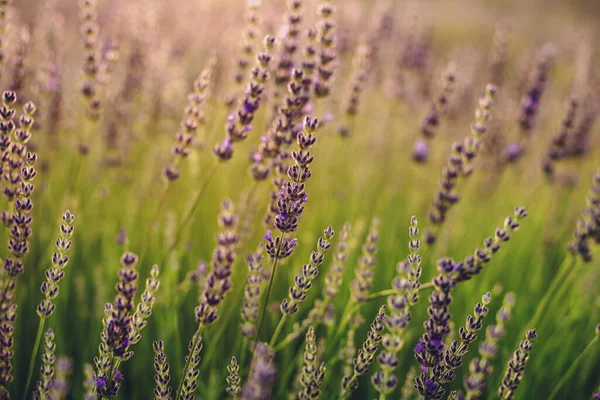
<point>290,205</point>
<point>50,287</point>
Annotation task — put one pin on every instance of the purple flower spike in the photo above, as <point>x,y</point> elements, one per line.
<point>596,395</point>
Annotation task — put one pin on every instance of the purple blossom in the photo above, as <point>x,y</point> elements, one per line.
<point>292,243</point>
<point>268,236</point>
<point>596,395</point>
<point>420,347</point>
<point>100,382</point>
<point>430,385</point>
<point>423,368</point>
<point>118,375</point>
<point>420,151</point>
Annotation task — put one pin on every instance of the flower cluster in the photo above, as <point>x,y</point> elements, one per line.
<point>588,225</point>
<point>516,367</point>
<point>239,123</point>
<point>363,280</point>
<point>91,65</point>
<point>460,161</point>
<point>162,376</point>
<point>579,142</point>
<point>454,354</point>
<point>292,195</point>
<point>218,281</point>
<point>327,55</point>
<point>262,374</point>
<point>60,383</point>
<point>189,382</point>
<point>56,272</point>
<point>144,307</point>
<point>43,387</point>
<point>193,116</point>
<point>530,102</point>
<point>472,265</point>
<point>431,122</point>
<point>481,367</point>
<point>361,63</point>
<point>252,292</point>
<point>249,35</point>
<point>559,146</point>
<point>429,352</point>
<point>312,374</point>
<point>303,281</point>
<point>290,42</point>
<point>116,335</point>
<point>406,286</point>
<point>365,356</point>
<point>333,279</point>
<point>233,379</point>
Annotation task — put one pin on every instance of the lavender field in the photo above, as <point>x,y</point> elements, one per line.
<point>300,199</point>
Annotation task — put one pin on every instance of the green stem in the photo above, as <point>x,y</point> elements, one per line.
<point>36,347</point>
<point>573,367</point>
<point>277,331</point>
<point>269,288</point>
<point>391,292</point>
<point>195,340</point>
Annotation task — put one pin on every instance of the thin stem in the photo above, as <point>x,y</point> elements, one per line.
<point>269,288</point>
<point>195,340</point>
<point>390,292</point>
<point>277,331</point>
<point>188,217</point>
<point>573,367</point>
<point>36,347</point>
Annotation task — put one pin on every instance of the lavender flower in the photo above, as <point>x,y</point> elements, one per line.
<point>91,66</point>
<point>189,381</point>
<point>290,42</point>
<point>60,384</point>
<point>233,379</point>
<point>406,286</point>
<point>143,310</point>
<point>312,374</point>
<point>431,121</point>
<point>430,350</point>
<point>333,279</point>
<point>239,123</point>
<point>516,367</point>
<point>365,356</point>
<point>530,102</point>
<point>162,376</point>
<point>262,374</point>
<point>56,272</point>
<point>118,329</point>
<point>588,225</point>
<point>218,282</point>
<point>327,58</point>
<point>558,147</point>
<point>47,369</point>
<point>193,116</point>
<point>303,282</point>
<point>363,281</point>
<point>481,367</point>
<point>360,73</point>
<point>460,161</point>
<point>472,265</point>
<point>252,292</point>
<point>89,382</point>
<point>444,372</point>
<point>249,35</point>
<point>292,195</point>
